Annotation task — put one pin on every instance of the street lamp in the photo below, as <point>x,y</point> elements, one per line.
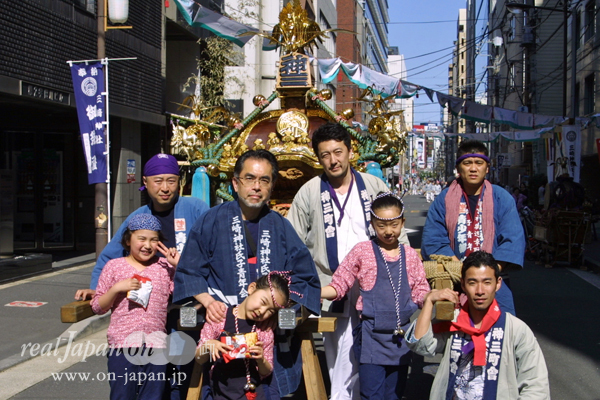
<point>519,8</point>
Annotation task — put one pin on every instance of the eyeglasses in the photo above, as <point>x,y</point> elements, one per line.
<point>251,181</point>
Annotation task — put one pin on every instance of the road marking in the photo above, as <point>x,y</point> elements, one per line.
<point>29,304</point>
<point>411,230</point>
<point>587,276</point>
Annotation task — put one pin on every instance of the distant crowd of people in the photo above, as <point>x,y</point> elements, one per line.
<point>342,251</point>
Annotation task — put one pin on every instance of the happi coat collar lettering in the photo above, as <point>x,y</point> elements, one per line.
<point>215,259</point>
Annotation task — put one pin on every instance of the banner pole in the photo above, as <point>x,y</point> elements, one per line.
<point>102,204</point>
<point>107,122</point>
<point>101,199</point>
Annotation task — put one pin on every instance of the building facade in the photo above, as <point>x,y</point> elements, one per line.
<point>48,205</point>
<point>43,168</point>
<point>584,37</point>
<point>369,47</point>
<point>546,65</point>
<point>397,69</point>
<point>457,87</point>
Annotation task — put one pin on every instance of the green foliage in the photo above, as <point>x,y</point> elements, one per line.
<point>216,53</point>
<point>212,65</point>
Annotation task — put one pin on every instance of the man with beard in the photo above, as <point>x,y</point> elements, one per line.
<point>234,243</point>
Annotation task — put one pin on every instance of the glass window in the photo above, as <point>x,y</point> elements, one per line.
<point>590,20</point>
<point>588,95</point>
<point>86,5</point>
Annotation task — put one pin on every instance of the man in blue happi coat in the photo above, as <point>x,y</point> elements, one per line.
<point>177,215</point>
<point>472,214</point>
<point>233,244</point>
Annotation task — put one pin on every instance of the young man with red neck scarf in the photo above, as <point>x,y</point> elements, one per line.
<point>472,214</point>
<point>488,353</point>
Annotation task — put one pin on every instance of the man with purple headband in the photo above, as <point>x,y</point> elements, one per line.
<point>472,214</point>
<point>176,214</point>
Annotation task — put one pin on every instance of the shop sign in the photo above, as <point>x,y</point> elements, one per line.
<point>43,93</point>
<point>130,171</point>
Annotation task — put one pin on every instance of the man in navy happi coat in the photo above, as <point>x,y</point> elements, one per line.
<point>233,244</point>
<point>472,214</point>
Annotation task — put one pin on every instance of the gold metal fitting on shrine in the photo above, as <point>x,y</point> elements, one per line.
<point>259,98</point>
<point>326,94</point>
<point>348,113</point>
<point>213,170</point>
<point>233,120</point>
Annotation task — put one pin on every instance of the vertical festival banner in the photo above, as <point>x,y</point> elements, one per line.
<point>88,85</point>
<point>421,153</point>
<point>571,147</point>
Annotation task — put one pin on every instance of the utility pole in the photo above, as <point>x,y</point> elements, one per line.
<point>101,198</point>
<point>471,54</point>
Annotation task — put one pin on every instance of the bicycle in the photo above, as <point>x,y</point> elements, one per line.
<point>533,247</point>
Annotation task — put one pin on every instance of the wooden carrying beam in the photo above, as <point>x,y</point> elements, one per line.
<point>323,324</point>
<point>76,311</point>
<point>195,389</point>
<point>311,369</point>
<point>440,277</point>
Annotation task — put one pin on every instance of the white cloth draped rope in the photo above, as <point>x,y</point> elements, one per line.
<point>527,126</point>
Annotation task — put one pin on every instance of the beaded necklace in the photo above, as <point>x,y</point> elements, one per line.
<point>249,387</point>
<point>398,331</point>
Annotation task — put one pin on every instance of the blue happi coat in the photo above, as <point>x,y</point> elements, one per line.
<point>215,261</point>
<point>187,209</point>
<point>509,240</point>
<point>210,262</point>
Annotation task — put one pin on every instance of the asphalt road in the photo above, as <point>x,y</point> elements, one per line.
<point>562,307</point>
<point>25,325</point>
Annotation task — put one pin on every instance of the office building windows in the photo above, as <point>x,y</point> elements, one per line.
<point>588,95</point>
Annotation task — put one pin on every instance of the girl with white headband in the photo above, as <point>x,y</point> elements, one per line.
<point>392,286</point>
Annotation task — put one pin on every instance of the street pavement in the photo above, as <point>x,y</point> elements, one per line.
<point>561,305</point>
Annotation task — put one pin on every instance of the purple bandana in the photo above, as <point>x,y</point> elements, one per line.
<point>144,221</point>
<point>161,164</point>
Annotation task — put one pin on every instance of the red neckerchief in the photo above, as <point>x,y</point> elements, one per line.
<point>473,237</point>
<point>463,324</point>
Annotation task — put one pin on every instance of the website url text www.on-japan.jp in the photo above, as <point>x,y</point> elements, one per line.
<point>137,377</point>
